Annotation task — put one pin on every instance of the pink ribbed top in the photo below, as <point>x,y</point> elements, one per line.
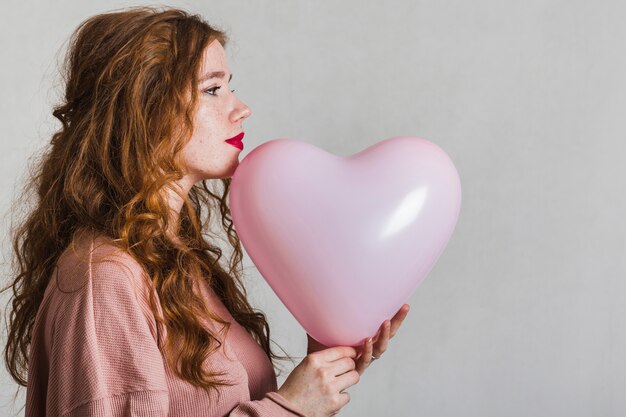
<point>95,348</point>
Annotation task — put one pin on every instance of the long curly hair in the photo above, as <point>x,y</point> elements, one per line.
<point>130,82</point>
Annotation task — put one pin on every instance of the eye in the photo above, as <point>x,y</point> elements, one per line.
<point>211,91</point>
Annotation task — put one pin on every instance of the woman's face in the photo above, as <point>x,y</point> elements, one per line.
<point>219,116</point>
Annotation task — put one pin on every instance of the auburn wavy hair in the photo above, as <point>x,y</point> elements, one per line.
<point>130,81</point>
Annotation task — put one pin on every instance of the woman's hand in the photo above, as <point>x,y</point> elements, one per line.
<point>375,346</point>
<point>317,385</point>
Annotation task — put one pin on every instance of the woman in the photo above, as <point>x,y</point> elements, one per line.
<point>120,305</point>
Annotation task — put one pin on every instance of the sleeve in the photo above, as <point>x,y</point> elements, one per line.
<point>105,360</point>
<point>272,405</point>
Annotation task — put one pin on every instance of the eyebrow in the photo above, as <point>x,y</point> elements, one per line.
<point>215,74</point>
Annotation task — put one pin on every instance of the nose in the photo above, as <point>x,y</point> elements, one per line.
<point>242,112</point>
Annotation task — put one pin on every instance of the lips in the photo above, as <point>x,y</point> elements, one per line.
<point>236,141</point>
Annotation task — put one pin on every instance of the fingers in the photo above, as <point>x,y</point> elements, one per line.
<point>397,319</point>
<point>366,356</point>
<point>376,345</point>
<point>383,339</point>
<point>334,353</point>
<point>388,330</point>
<point>346,380</point>
<point>343,365</point>
<point>345,399</point>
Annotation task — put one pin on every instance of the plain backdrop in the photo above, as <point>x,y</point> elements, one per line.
<point>525,312</point>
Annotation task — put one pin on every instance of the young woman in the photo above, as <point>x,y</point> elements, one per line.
<point>120,305</point>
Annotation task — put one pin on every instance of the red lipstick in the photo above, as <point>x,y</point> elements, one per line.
<point>236,141</point>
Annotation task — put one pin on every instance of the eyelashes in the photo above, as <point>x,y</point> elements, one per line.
<point>211,91</point>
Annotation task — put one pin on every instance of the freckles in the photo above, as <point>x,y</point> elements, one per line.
<point>209,120</point>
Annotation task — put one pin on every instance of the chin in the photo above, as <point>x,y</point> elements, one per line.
<point>229,172</point>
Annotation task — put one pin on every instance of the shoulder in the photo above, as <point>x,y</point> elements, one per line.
<point>96,259</point>
<point>98,284</point>
<point>95,277</point>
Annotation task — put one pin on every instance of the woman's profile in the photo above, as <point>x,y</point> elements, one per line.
<point>121,302</point>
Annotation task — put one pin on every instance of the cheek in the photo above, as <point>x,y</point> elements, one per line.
<point>204,152</point>
<point>199,149</point>
<point>208,114</point>
<point>203,132</point>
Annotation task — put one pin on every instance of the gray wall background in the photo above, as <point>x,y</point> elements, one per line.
<point>525,313</point>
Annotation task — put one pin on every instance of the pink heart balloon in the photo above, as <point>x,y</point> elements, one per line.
<point>345,241</point>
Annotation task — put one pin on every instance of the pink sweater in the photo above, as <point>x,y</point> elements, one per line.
<point>95,349</point>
